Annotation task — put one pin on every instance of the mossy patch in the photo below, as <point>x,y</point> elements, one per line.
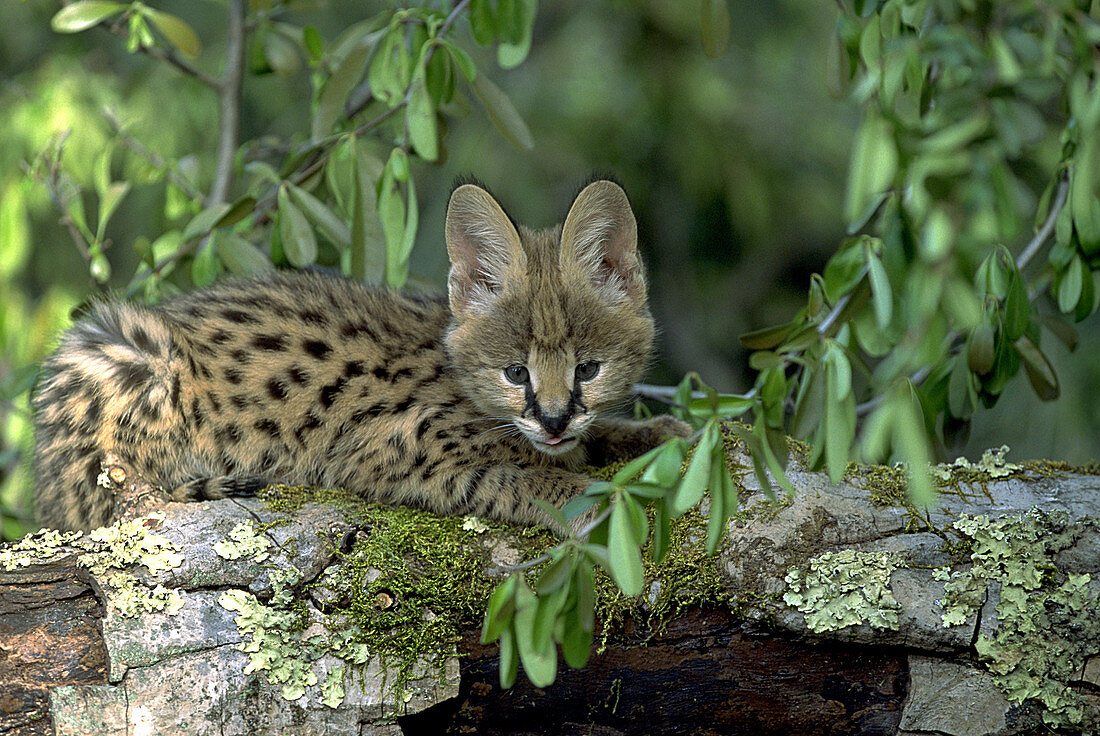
<point>407,588</point>
<point>1047,622</point>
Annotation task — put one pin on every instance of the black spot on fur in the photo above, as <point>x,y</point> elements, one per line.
<point>134,376</point>
<point>331,391</point>
<point>277,389</point>
<point>229,434</point>
<point>143,342</point>
<point>381,373</point>
<point>219,337</point>
<point>423,427</point>
<point>297,375</point>
<point>197,414</point>
<point>174,395</point>
<point>240,402</point>
<point>233,376</point>
<point>403,406</point>
<point>317,348</point>
<point>239,316</point>
<point>313,317</point>
<point>312,422</point>
<point>268,426</point>
<point>269,342</point>
<point>353,368</point>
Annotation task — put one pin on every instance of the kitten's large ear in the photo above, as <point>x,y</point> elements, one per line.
<point>484,248</point>
<point>600,241</point>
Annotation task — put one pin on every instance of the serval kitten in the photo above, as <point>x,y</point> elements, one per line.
<point>474,404</point>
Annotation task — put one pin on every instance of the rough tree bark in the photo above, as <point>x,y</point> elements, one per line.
<point>839,611</point>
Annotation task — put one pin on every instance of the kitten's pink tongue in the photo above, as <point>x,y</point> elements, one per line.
<point>552,441</point>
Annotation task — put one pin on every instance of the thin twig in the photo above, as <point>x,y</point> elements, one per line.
<point>171,170</point>
<point>1041,236</point>
<point>169,56</point>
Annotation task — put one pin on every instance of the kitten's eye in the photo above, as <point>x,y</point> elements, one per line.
<point>517,374</point>
<point>587,371</point>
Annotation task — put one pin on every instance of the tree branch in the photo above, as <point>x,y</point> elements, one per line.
<point>229,103</point>
<point>1060,197</point>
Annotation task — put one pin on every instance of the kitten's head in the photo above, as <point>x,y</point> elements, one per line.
<point>550,328</point>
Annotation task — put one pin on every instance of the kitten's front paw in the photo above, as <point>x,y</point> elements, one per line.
<point>666,426</point>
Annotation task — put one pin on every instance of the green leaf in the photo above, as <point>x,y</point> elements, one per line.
<point>714,27</point>
<point>461,59</point>
<point>331,105</point>
<point>638,520</point>
<point>368,241</point>
<point>873,165</point>
<point>420,119</point>
<point>313,43</point>
<point>664,469</point>
<point>554,513</point>
<point>577,505</point>
<point>938,236</point>
<point>1017,307</point>
<point>912,442</point>
<point>839,425</point>
<point>281,53</point>
<point>240,256</point>
<point>808,405</point>
<point>1038,368</point>
<point>510,55</point>
<point>397,261</point>
<point>84,14</point>
<point>556,574</point>
<point>546,616</point>
<point>482,22</point>
<point>980,351</point>
<point>299,242</point>
<point>694,482</point>
<point>178,33</point>
<point>661,531</point>
<point>768,337</point>
<point>502,113</point>
<point>205,221</point>
<point>1071,285</point>
<point>108,203</point>
<point>576,643</point>
<point>1083,199</point>
<point>623,553</point>
<point>882,297</point>
<point>719,512</point>
<point>325,220</point>
<point>630,470</point>
<point>726,405</point>
<point>498,615</point>
<point>540,663</point>
<point>204,266</point>
<point>509,659</point>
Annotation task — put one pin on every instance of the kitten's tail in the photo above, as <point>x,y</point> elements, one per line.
<point>110,386</point>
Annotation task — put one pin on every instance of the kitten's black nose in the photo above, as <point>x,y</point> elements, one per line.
<point>555,425</point>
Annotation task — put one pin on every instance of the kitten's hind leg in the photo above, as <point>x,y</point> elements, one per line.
<point>222,486</point>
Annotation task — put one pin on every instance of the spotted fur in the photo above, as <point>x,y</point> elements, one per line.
<point>309,379</point>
